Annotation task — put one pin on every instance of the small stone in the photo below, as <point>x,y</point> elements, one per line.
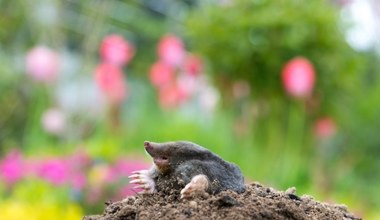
<point>205,195</point>
<point>193,204</point>
<point>341,207</point>
<point>290,190</point>
<point>307,197</point>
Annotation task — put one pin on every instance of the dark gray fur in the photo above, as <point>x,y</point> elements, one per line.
<point>187,160</point>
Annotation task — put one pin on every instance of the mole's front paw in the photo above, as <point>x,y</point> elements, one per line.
<point>143,181</point>
<point>197,185</point>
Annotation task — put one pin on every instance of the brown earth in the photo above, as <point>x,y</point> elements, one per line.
<point>258,202</point>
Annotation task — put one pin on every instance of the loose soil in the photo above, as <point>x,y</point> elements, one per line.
<point>257,202</point>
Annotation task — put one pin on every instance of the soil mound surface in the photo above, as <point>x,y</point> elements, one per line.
<point>257,202</point>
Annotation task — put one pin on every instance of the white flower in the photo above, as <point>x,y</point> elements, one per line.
<point>54,121</point>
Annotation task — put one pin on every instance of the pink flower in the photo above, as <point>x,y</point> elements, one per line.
<point>193,65</point>
<point>55,171</point>
<point>298,77</point>
<point>115,50</point>
<point>79,162</point>
<point>12,167</point>
<point>171,96</point>
<point>54,121</point>
<point>161,74</point>
<point>171,50</point>
<point>79,159</point>
<point>42,64</point>
<point>31,167</point>
<point>325,128</point>
<point>78,180</point>
<point>188,84</point>
<point>110,80</point>
<point>124,167</point>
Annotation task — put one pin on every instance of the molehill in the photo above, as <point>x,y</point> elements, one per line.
<point>257,202</point>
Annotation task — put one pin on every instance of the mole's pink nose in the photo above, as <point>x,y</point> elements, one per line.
<point>147,145</point>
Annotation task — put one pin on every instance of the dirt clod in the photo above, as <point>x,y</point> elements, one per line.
<point>258,202</point>
<point>226,201</point>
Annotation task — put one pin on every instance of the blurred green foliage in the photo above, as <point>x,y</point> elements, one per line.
<point>358,142</point>
<point>252,40</point>
<point>14,99</point>
<point>36,199</point>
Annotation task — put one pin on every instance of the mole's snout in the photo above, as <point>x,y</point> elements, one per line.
<point>147,145</point>
<point>150,148</point>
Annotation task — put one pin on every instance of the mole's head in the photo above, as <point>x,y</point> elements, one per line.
<point>168,155</point>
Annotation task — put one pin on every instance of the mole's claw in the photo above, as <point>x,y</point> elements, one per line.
<point>141,172</point>
<point>142,186</point>
<point>196,186</point>
<point>138,187</point>
<point>144,192</point>
<point>138,181</point>
<point>134,176</point>
<point>143,180</point>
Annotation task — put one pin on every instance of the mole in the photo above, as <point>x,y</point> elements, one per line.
<point>188,167</point>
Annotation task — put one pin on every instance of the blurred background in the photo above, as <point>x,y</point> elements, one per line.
<point>288,90</point>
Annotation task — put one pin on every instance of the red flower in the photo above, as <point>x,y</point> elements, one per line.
<point>110,80</point>
<point>161,74</point>
<point>298,77</point>
<point>171,50</point>
<point>324,128</point>
<point>42,64</point>
<point>115,50</point>
<point>193,65</point>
